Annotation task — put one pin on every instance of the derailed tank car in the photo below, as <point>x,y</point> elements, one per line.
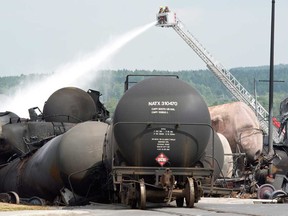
<point>160,130</point>
<point>63,110</point>
<point>57,151</point>
<point>70,161</point>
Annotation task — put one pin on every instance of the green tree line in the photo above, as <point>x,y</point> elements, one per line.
<point>111,84</point>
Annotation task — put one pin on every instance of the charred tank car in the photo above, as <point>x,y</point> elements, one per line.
<point>153,149</point>
<point>66,169</point>
<point>74,105</point>
<point>63,110</point>
<point>51,155</point>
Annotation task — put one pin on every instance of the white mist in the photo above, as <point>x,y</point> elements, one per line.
<point>37,93</point>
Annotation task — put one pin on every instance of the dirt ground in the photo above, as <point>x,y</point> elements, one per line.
<point>14,207</point>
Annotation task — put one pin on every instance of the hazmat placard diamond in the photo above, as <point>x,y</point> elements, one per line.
<point>162,159</point>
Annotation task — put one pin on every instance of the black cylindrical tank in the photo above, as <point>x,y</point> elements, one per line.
<point>6,150</point>
<point>34,175</point>
<point>69,104</point>
<point>161,121</point>
<point>80,153</point>
<point>72,160</point>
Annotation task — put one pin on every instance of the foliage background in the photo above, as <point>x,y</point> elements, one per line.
<point>111,84</point>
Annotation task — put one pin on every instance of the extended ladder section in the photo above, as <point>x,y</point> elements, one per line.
<point>165,18</point>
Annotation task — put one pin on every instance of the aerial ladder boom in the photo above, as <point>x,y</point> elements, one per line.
<point>165,18</point>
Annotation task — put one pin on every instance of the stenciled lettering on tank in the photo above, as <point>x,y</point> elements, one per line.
<point>164,138</point>
<point>162,107</point>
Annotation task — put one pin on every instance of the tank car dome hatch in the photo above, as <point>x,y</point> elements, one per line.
<point>161,117</point>
<point>69,104</point>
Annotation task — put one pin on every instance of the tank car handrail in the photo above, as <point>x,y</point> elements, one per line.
<point>63,115</point>
<point>165,123</point>
<point>177,124</point>
<point>126,83</point>
<point>120,171</point>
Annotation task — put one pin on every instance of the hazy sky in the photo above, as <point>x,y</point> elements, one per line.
<point>38,36</point>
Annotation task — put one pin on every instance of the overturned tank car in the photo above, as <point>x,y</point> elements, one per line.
<point>239,124</point>
<point>63,110</point>
<point>51,153</point>
<point>69,161</point>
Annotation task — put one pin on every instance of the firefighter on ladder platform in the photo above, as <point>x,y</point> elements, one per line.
<point>163,19</point>
<point>166,9</point>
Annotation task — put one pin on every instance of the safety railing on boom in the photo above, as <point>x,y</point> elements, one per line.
<point>169,19</point>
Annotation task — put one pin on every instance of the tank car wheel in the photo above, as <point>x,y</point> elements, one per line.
<point>36,201</point>
<point>190,193</point>
<point>180,202</point>
<point>142,197</point>
<point>14,198</point>
<point>278,194</point>
<point>265,191</point>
